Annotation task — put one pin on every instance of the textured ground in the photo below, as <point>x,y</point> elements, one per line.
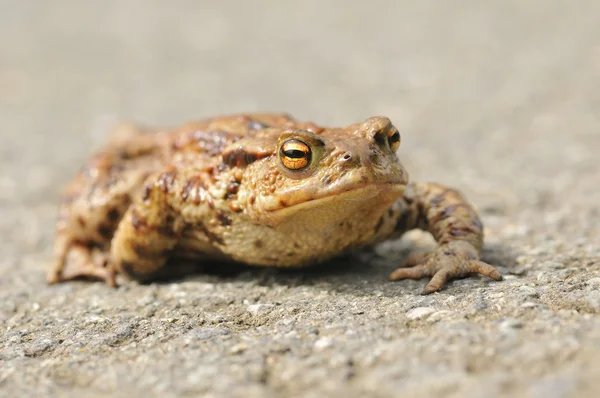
<point>499,99</point>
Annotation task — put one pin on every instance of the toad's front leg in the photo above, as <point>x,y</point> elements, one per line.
<point>454,224</point>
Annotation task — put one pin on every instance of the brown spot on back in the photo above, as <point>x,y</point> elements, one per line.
<point>191,190</point>
<point>201,141</point>
<point>257,125</point>
<point>146,192</point>
<point>166,181</point>
<point>239,158</point>
<point>212,142</point>
<point>210,202</point>
<point>235,207</point>
<point>258,243</point>
<point>223,218</point>
<point>139,223</point>
<point>105,231</point>
<point>233,188</point>
<point>185,192</point>
<point>114,214</point>
<point>81,222</point>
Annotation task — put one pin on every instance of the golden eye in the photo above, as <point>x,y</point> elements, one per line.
<point>295,155</point>
<point>394,139</point>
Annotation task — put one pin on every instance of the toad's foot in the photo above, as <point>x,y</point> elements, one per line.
<point>79,262</point>
<point>456,259</point>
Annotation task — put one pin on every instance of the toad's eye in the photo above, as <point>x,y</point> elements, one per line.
<point>394,139</point>
<point>295,155</point>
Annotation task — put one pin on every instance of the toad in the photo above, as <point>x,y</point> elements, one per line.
<point>258,189</point>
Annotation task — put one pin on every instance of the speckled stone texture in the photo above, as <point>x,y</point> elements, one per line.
<point>497,98</point>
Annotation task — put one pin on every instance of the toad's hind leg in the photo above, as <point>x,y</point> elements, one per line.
<point>79,260</point>
<point>96,200</point>
<point>82,237</point>
<point>91,208</point>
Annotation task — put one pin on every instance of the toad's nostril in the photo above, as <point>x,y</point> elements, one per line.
<point>380,137</point>
<point>347,156</point>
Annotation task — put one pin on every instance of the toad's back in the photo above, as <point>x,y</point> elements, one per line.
<point>96,199</point>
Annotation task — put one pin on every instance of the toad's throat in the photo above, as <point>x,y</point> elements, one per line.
<point>385,194</point>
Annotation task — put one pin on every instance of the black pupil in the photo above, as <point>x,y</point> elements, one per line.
<point>395,137</point>
<point>294,153</point>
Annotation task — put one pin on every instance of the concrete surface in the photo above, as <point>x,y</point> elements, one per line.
<point>498,98</point>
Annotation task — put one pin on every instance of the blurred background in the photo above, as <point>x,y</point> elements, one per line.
<point>488,95</point>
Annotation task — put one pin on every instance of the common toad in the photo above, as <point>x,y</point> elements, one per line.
<point>259,189</point>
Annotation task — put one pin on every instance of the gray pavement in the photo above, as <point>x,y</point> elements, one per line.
<point>497,98</point>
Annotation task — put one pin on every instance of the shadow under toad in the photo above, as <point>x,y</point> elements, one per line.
<point>359,273</point>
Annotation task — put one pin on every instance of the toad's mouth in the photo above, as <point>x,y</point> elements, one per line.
<point>303,200</point>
